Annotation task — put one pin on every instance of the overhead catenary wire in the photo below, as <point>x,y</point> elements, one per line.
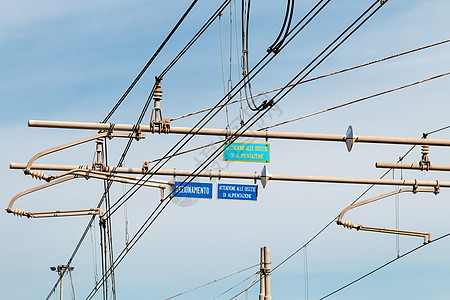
<point>211,282</point>
<point>246,288</point>
<point>317,64</point>
<point>256,275</point>
<point>357,100</point>
<point>329,223</point>
<point>324,76</point>
<point>256,69</point>
<point>317,57</point>
<point>174,29</point>
<point>165,71</point>
<point>276,45</point>
<point>353,202</point>
<point>158,211</point>
<point>385,265</point>
<point>318,112</point>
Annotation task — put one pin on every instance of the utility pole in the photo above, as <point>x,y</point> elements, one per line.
<point>262,289</point>
<point>61,269</point>
<point>264,283</point>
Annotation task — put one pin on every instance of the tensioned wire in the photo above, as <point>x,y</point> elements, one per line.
<point>211,282</point>
<point>107,118</point>
<point>238,134</point>
<point>353,202</point>
<point>179,56</point>
<point>318,112</point>
<point>119,102</point>
<point>256,275</point>
<point>308,21</point>
<point>384,265</point>
<point>145,226</point>
<point>210,115</point>
<point>324,76</point>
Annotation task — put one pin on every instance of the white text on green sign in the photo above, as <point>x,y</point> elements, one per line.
<point>250,152</point>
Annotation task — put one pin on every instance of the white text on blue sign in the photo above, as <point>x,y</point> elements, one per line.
<point>237,192</point>
<point>193,190</point>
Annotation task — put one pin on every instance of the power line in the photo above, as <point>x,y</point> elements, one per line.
<point>324,76</point>
<point>211,282</point>
<point>116,106</point>
<point>139,234</point>
<point>251,74</point>
<point>239,283</point>
<point>335,218</point>
<point>207,118</point>
<point>156,213</point>
<point>319,112</point>
<point>357,100</point>
<point>384,265</point>
<point>129,143</point>
<point>437,130</point>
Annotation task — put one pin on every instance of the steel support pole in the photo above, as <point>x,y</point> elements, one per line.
<point>248,133</point>
<point>267,295</point>
<point>252,176</point>
<point>262,289</point>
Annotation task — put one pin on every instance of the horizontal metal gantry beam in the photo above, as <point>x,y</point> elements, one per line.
<point>256,176</point>
<point>406,166</point>
<point>247,133</point>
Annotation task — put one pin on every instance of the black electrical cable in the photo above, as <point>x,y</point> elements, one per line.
<point>187,137</point>
<point>384,265</point>
<point>116,106</point>
<point>256,72</point>
<point>282,91</point>
<point>331,222</point>
<point>334,220</point>
<point>147,103</point>
<point>215,15</point>
<point>289,89</point>
<point>280,43</point>
<point>276,47</point>
<point>156,213</point>
<point>229,98</point>
<point>287,16</point>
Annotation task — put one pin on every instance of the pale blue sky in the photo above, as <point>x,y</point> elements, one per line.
<point>65,60</point>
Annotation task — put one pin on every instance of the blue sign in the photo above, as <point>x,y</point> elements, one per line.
<point>246,152</point>
<point>237,191</point>
<point>193,190</point>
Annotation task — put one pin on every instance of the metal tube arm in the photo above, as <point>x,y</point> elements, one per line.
<point>248,133</point>
<point>347,224</point>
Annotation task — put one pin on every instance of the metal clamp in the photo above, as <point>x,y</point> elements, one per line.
<point>415,187</point>
<point>437,189</point>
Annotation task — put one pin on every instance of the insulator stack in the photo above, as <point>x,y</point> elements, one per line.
<point>425,161</point>
<point>18,212</point>
<point>347,224</point>
<point>157,96</point>
<point>37,175</point>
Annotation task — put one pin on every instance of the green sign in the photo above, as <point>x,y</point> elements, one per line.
<point>246,152</point>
